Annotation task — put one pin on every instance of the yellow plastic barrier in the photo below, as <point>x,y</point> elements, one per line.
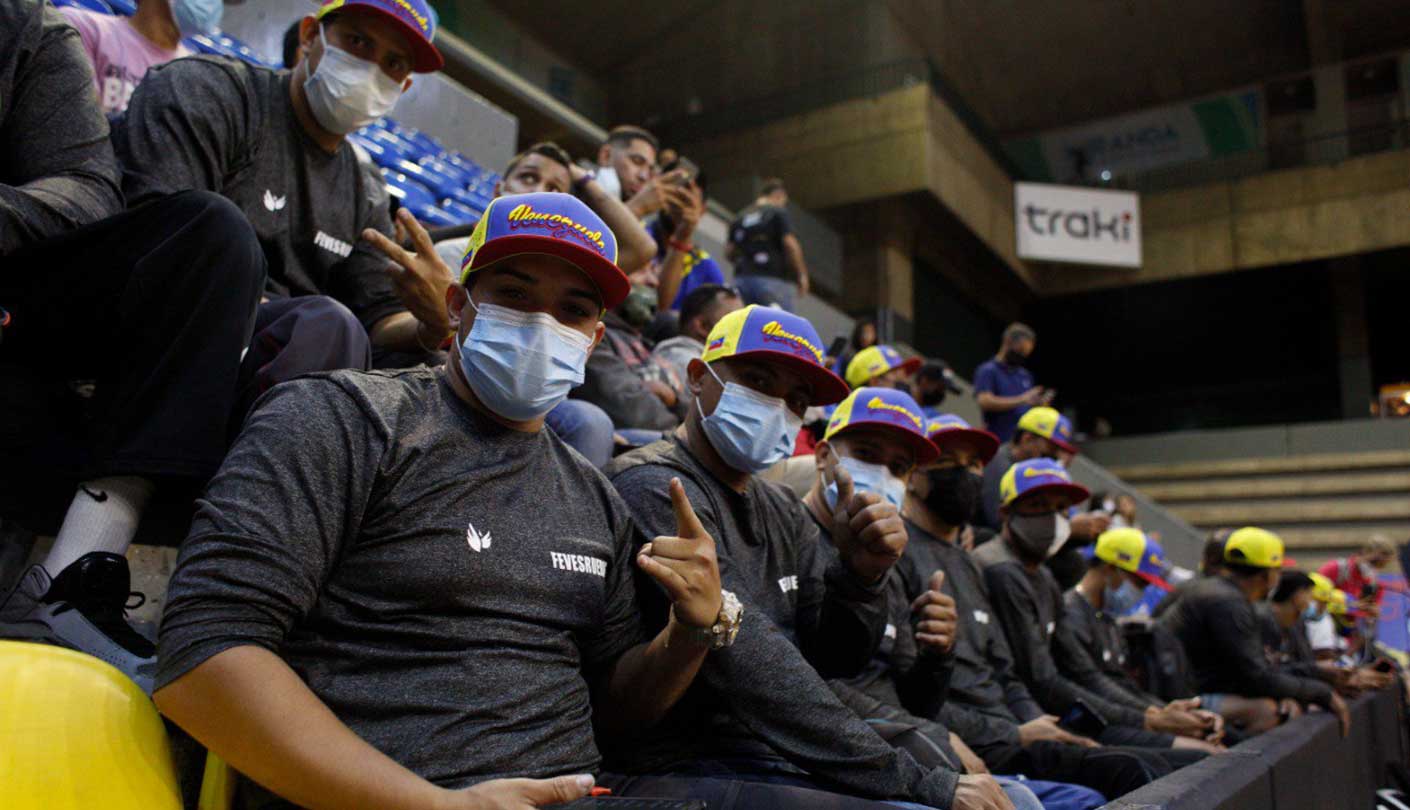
<point>76,734</point>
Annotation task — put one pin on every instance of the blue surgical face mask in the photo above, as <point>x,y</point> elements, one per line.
<point>197,16</point>
<point>1313,613</point>
<point>1120,601</point>
<point>751,431</point>
<point>521,364</point>
<point>867,477</point>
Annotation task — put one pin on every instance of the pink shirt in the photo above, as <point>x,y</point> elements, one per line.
<point>120,54</point>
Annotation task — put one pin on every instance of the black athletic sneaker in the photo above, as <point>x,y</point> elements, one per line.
<point>84,609</point>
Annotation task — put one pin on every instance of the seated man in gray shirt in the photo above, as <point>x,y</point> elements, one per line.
<point>762,709</point>
<point>275,144</point>
<point>401,591</point>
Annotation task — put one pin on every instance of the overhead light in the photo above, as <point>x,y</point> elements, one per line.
<point>1106,175</point>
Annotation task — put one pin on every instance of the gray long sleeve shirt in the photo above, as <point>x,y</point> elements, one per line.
<point>57,170</point>
<point>806,617</point>
<point>221,125</point>
<point>1029,608</point>
<point>448,587</point>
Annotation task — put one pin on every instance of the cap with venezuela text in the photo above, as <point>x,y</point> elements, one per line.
<point>416,18</point>
<point>948,430</point>
<point>1039,475</point>
<point>775,336</point>
<point>874,361</point>
<point>1049,424</point>
<point>1132,550</point>
<point>888,409</point>
<point>551,224</point>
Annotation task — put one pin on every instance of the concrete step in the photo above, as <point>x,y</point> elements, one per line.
<point>1346,538</point>
<point>1318,462</point>
<point>1296,511</point>
<point>1280,486</point>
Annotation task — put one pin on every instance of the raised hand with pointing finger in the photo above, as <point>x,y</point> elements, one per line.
<point>935,618</point>
<point>866,529</point>
<point>686,567</point>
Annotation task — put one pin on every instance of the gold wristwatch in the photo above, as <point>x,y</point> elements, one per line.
<point>725,629</point>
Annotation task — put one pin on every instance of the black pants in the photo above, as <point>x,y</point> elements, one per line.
<point>1108,770</point>
<point>154,304</point>
<point>296,336</point>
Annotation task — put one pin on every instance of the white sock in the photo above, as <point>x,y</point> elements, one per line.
<point>103,517</point>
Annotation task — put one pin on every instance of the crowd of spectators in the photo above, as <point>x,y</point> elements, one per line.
<point>491,519</point>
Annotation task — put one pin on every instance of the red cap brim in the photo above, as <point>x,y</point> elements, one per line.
<point>425,57</point>
<point>828,388</point>
<point>1155,580</point>
<point>984,443</point>
<point>1068,446</point>
<point>911,365</point>
<point>611,282</point>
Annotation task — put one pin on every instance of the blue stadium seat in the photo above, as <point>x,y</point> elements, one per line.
<point>409,192</point>
<point>460,210</point>
<point>390,142</point>
<point>378,152</point>
<point>436,216</point>
<point>441,184</point>
<point>200,43</point>
<point>124,7</point>
<point>90,5</point>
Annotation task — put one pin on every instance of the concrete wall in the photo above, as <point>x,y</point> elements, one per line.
<point>1282,217</point>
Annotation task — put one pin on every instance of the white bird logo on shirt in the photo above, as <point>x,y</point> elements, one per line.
<point>272,202</point>
<point>475,540</point>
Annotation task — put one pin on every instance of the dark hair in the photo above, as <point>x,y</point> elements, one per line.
<point>932,370</point>
<point>1291,583</point>
<point>625,134</point>
<point>771,185</point>
<point>1243,571</point>
<point>1213,556</point>
<point>1017,331</point>
<point>702,298</point>
<point>857,333</point>
<point>291,45</point>
<point>547,149</point>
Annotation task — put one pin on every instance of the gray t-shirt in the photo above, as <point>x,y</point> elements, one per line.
<point>222,125</point>
<point>448,587</point>
<point>56,165</point>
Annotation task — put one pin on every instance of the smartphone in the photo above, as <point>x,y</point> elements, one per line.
<point>692,171</point>
<point>1081,719</point>
<point>839,344</point>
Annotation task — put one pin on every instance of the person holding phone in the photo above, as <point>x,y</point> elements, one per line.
<point>1003,385</point>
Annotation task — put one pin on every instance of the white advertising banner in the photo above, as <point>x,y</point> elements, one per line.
<point>1080,225</point>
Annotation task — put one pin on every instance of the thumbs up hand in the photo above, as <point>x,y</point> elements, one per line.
<point>935,618</point>
<point>867,530</point>
<point>685,565</point>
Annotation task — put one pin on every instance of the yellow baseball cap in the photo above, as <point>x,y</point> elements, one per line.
<point>887,409</point>
<point>1049,424</point>
<point>873,361</point>
<point>1131,550</point>
<point>1039,475</point>
<point>775,336</point>
<point>1255,547</point>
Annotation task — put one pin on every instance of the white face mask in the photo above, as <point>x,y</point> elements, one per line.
<point>347,93</point>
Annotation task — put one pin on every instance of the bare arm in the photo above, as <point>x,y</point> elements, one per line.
<point>793,249</point>
<point>246,705</point>
<point>686,207</point>
<point>635,247</point>
<point>994,403</point>
<point>402,332</point>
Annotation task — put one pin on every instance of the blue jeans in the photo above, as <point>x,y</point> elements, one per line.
<point>1015,788</point>
<point>584,427</point>
<point>1058,795</point>
<point>767,291</point>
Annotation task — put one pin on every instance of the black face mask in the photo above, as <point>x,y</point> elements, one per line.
<point>954,494</point>
<point>931,398</point>
<point>1014,358</point>
<point>902,385</point>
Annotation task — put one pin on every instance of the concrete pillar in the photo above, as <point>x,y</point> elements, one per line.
<point>1353,343</point>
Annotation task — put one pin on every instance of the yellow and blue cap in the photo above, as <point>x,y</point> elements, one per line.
<point>1255,547</point>
<point>1049,424</point>
<point>874,361</point>
<point>889,409</point>
<point>552,224</point>
<point>1132,550</point>
<point>776,336</point>
<point>1039,475</point>
<point>416,18</point>
<point>948,430</point>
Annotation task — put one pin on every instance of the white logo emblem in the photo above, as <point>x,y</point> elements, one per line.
<point>981,617</point>
<point>477,541</point>
<point>272,202</point>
